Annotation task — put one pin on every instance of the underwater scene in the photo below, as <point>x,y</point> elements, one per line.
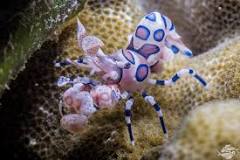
<point>120,80</point>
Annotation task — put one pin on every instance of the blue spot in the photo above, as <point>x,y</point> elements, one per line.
<point>130,132</point>
<point>160,82</point>
<point>190,71</point>
<point>175,49</point>
<point>80,60</point>
<point>188,53</point>
<point>130,59</point>
<point>157,107</point>
<point>163,125</point>
<point>64,63</point>
<point>172,27</point>
<point>164,21</point>
<point>201,80</point>
<point>151,17</point>
<point>128,113</point>
<point>159,35</point>
<point>140,77</point>
<point>145,30</point>
<point>175,78</point>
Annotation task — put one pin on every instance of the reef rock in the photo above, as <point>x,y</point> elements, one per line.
<point>209,132</point>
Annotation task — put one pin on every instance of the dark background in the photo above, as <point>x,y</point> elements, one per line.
<point>9,147</point>
<point>9,17</point>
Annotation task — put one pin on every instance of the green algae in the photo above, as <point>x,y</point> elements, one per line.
<point>39,22</point>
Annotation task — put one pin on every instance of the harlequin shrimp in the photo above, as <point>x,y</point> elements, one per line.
<point>153,42</point>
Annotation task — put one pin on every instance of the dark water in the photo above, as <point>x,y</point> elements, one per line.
<point>9,17</point>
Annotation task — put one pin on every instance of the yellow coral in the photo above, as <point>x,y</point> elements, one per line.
<point>111,21</point>
<point>206,131</point>
<point>220,67</point>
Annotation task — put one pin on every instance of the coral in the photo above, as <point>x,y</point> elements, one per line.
<point>31,106</point>
<point>111,21</point>
<point>220,67</point>
<point>209,21</point>
<point>38,24</point>
<point>205,132</point>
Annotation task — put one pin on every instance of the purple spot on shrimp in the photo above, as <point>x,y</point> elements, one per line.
<point>148,49</point>
<point>142,32</point>
<point>128,55</point>
<point>142,72</point>
<point>159,35</point>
